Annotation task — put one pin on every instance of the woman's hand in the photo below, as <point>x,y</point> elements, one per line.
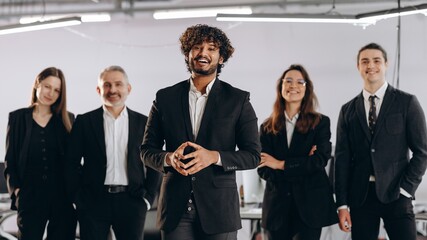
<point>269,161</point>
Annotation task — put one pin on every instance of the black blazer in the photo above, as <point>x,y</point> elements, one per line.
<point>85,182</point>
<point>17,146</point>
<point>228,121</point>
<point>400,127</point>
<point>304,177</point>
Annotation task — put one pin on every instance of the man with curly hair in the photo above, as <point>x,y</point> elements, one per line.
<point>201,121</point>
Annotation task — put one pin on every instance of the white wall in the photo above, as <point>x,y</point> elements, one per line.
<point>149,52</point>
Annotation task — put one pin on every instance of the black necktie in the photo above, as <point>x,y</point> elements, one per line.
<point>372,118</point>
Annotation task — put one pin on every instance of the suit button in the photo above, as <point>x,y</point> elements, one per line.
<point>193,178</point>
<point>373,150</point>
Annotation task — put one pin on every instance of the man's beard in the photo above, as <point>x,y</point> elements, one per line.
<point>209,71</point>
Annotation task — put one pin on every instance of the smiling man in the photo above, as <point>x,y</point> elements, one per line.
<point>201,120</point>
<point>111,187</point>
<point>375,177</point>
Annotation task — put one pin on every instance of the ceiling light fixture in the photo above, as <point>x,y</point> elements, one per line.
<point>17,28</point>
<point>385,14</point>
<point>200,12</point>
<point>294,18</point>
<point>96,17</point>
<point>364,19</point>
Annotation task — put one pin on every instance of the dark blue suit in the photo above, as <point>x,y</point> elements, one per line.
<point>400,127</point>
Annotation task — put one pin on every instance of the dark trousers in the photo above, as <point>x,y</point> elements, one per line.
<point>398,217</point>
<point>119,211</point>
<point>295,229</point>
<point>37,213</point>
<point>189,228</point>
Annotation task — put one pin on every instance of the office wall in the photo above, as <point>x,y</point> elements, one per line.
<point>149,51</point>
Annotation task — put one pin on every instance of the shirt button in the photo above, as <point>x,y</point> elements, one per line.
<point>43,140</point>
<point>43,149</point>
<point>190,201</point>
<point>44,158</point>
<point>193,178</point>
<point>373,150</point>
<point>189,208</point>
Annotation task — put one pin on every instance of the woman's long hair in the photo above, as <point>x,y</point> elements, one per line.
<point>60,106</point>
<point>308,117</point>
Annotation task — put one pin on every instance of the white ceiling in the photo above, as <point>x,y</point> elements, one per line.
<point>12,9</point>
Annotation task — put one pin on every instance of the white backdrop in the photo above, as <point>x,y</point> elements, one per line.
<point>149,52</point>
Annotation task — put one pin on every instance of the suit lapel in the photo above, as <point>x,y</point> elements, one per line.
<point>28,128</point>
<point>133,132</point>
<point>385,107</point>
<point>209,110</point>
<point>97,122</point>
<point>186,110</point>
<point>361,114</point>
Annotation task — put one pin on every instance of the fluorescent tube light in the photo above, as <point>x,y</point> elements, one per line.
<point>17,28</point>
<point>199,12</point>
<point>405,11</point>
<point>294,18</point>
<point>96,17</point>
<point>364,19</point>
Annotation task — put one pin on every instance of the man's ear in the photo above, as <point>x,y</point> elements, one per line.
<point>129,88</point>
<point>98,90</point>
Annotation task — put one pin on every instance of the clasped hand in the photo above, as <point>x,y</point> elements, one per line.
<point>199,159</point>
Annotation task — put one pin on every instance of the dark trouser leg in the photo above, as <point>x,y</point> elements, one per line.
<point>399,219</point>
<point>189,228</point>
<point>366,219</point>
<point>128,216</point>
<point>31,223</point>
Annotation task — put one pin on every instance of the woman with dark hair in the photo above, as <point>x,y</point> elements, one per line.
<point>35,147</point>
<point>296,147</point>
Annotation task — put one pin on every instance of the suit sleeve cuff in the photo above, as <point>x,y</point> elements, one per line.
<point>405,193</point>
<point>147,203</point>
<point>343,207</point>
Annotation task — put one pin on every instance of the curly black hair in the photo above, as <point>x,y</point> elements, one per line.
<point>201,32</point>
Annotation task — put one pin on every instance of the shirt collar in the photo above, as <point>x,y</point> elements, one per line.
<point>379,93</point>
<point>123,113</point>
<point>293,120</point>
<point>208,88</point>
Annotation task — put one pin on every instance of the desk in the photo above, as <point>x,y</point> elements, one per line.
<point>253,212</point>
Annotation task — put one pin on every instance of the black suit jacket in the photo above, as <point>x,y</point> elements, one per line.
<point>400,127</point>
<point>17,146</point>
<point>304,177</point>
<point>85,181</point>
<point>228,121</point>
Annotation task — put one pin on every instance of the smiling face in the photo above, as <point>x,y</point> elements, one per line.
<point>114,88</point>
<point>293,87</point>
<point>372,67</point>
<point>204,58</point>
<point>48,91</point>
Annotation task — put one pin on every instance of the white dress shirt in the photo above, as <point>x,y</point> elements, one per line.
<point>197,103</point>
<point>116,132</point>
<point>290,127</point>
